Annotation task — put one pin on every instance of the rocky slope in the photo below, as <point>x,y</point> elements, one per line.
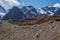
<point>44,31</point>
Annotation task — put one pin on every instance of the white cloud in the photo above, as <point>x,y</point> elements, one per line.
<point>8,4</point>
<point>56,5</point>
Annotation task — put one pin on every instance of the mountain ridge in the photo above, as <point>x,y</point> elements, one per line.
<point>30,12</point>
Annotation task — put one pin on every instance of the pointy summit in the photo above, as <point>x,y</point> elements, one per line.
<point>14,14</point>
<point>20,14</point>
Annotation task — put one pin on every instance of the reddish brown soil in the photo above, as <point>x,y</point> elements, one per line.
<point>37,20</point>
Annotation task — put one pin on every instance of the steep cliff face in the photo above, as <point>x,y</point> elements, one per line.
<point>44,31</point>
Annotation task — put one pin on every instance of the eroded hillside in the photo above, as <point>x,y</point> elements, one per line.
<point>44,31</point>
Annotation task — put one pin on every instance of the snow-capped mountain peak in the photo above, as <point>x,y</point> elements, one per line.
<point>50,10</point>
<point>31,12</point>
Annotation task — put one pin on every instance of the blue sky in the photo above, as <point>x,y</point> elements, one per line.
<point>38,3</point>
<point>8,4</point>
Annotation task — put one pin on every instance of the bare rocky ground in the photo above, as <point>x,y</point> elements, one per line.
<point>44,31</point>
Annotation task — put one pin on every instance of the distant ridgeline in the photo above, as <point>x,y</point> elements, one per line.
<point>20,14</point>
<point>30,12</point>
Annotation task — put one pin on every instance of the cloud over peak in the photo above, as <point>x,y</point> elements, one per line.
<point>8,4</point>
<point>56,5</point>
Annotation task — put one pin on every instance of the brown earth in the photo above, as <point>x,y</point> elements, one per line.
<point>37,20</point>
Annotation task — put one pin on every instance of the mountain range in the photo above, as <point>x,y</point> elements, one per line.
<point>30,23</point>
<point>29,12</point>
<point>50,11</point>
<point>20,14</point>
